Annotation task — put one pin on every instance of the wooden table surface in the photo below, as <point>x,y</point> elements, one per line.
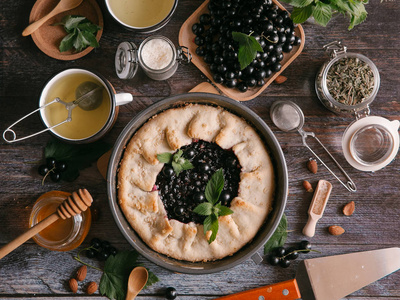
<point>32,271</point>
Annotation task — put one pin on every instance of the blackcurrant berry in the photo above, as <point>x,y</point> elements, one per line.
<point>292,253</point>
<point>102,255</point>
<point>199,197</point>
<point>96,243</point>
<point>273,260</point>
<point>50,162</point>
<point>61,166</point>
<point>55,176</point>
<point>204,167</point>
<point>304,245</point>
<point>284,263</point>
<point>43,170</point>
<point>171,293</point>
<point>280,251</point>
<point>90,253</point>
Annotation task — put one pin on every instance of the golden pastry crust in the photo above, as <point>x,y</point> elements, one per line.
<point>169,131</point>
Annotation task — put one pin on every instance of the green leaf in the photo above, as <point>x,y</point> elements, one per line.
<point>164,157</point>
<point>88,27</point>
<point>71,22</point>
<point>301,14</point>
<point>214,187</point>
<point>117,268</point>
<point>177,168</point>
<point>355,9</point>
<point>279,237</point>
<point>77,157</point>
<point>207,224</point>
<point>299,3</point>
<point>203,209</point>
<point>67,42</point>
<point>248,47</point>
<point>214,228</point>
<point>187,165</point>
<point>322,13</point>
<point>177,155</point>
<point>224,211</point>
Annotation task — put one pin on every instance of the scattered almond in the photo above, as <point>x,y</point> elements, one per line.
<point>73,285</point>
<point>312,165</point>
<point>280,79</point>
<point>349,208</point>
<point>308,186</point>
<point>91,288</point>
<point>336,230</point>
<point>81,273</point>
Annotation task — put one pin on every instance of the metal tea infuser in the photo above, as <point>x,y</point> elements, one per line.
<point>84,102</point>
<point>288,117</point>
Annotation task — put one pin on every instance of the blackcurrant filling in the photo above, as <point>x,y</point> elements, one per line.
<point>181,193</point>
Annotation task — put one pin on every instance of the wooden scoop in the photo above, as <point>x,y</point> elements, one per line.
<point>62,6</point>
<point>75,204</point>
<point>137,280</point>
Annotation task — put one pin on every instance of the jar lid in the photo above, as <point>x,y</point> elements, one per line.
<point>371,143</point>
<point>126,60</point>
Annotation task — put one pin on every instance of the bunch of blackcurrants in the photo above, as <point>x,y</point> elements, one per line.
<point>271,26</point>
<point>52,168</point>
<point>283,257</point>
<point>100,249</point>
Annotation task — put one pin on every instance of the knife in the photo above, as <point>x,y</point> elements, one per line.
<point>330,277</point>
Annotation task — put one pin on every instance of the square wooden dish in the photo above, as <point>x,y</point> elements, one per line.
<point>186,38</point>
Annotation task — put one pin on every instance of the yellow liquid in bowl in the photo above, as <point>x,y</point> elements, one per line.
<point>84,124</point>
<point>141,13</point>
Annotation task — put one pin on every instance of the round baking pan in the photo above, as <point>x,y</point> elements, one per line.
<point>265,231</point>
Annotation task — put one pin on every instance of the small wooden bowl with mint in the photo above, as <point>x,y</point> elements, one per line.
<point>348,82</point>
<point>48,38</point>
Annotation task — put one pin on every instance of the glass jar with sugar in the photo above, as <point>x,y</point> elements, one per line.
<point>157,56</point>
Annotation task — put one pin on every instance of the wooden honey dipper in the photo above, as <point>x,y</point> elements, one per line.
<point>75,204</point>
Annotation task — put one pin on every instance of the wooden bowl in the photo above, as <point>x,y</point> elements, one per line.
<point>48,37</point>
<point>186,38</point>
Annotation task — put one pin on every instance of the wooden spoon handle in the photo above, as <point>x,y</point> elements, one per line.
<point>28,234</point>
<point>31,28</point>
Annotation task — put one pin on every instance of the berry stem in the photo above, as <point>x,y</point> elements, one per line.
<point>47,174</point>
<point>78,258</point>
<point>301,250</point>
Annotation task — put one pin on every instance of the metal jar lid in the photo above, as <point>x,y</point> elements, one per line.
<point>126,60</point>
<point>371,143</point>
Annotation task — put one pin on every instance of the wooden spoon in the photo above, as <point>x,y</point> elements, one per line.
<point>73,205</point>
<point>137,280</point>
<point>62,6</point>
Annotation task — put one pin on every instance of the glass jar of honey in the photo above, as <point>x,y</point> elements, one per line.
<point>62,235</point>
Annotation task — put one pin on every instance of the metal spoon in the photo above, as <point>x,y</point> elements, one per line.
<point>62,6</point>
<point>289,117</point>
<point>136,282</point>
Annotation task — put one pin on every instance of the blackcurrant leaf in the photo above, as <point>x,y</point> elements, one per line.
<point>248,48</point>
<point>279,237</point>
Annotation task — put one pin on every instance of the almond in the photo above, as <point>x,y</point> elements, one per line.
<point>91,288</point>
<point>73,285</point>
<point>308,186</point>
<point>336,230</point>
<point>349,208</point>
<point>280,79</point>
<point>81,273</point>
<point>312,165</point>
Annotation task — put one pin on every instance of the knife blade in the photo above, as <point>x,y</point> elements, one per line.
<point>330,277</point>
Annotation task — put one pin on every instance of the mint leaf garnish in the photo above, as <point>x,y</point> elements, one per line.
<point>214,187</point>
<point>178,162</point>
<point>248,47</point>
<point>81,33</point>
<point>213,209</point>
<point>279,237</point>
<point>165,158</point>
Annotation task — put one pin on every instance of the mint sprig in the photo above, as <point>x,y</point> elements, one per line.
<point>213,208</point>
<point>248,48</point>
<point>178,162</point>
<point>279,237</point>
<point>81,33</point>
<point>322,10</point>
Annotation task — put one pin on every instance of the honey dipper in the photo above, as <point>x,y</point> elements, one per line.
<point>78,202</point>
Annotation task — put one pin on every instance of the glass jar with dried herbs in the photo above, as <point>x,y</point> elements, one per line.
<point>349,82</point>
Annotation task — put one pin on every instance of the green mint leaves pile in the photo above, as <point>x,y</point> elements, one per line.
<point>213,208</point>
<point>322,10</point>
<point>178,162</point>
<point>248,48</point>
<point>81,33</point>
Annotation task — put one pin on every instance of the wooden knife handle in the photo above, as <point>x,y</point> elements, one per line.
<point>287,290</point>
